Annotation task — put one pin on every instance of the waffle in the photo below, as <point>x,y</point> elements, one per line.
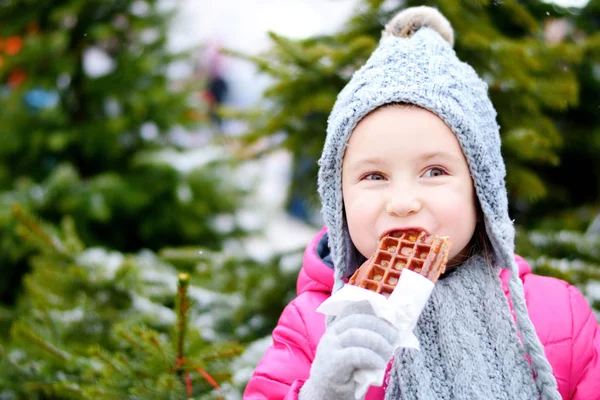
<point>414,250</point>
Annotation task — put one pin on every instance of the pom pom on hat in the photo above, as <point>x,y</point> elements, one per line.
<point>410,20</point>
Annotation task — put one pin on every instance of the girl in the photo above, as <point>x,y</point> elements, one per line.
<point>412,143</point>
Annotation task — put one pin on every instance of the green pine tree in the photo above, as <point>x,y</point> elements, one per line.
<point>98,324</point>
<point>89,195</point>
<point>562,240</point>
<point>253,293</point>
<point>570,204</point>
<point>78,141</point>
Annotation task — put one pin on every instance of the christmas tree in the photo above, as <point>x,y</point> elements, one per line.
<point>94,324</point>
<point>81,126</point>
<point>93,186</point>
<point>563,229</point>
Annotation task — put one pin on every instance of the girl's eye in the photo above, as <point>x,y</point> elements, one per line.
<point>374,176</point>
<point>434,171</point>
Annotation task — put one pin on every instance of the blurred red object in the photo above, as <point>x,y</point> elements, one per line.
<point>16,77</point>
<point>13,45</point>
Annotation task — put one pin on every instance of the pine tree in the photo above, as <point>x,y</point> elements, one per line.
<point>252,293</point>
<point>563,236</point>
<point>86,103</point>
<point>92,188</point>
<point>544,92</point>
<point>580,127</point>
<point>94,324</point>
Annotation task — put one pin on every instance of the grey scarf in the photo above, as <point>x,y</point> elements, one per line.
<point>469,345</point>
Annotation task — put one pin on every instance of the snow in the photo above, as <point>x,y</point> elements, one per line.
<point>167,279</point>
<point>281,234</point>
<point>188,160</point>
<point>102,263</point>
<point>205,324</point>
<point>16,356</point>
<point>149,36</point>
<point>246,362</point>
<point>149,131</point>
<point>291,262</point>
<point>68,316</point>
<point>163,314</point>
<point>112,107</point>
<point>205,297</point>
<point>263,210</point>
<point>224,223</point>
<point>38,193</point>
<point>593,290</point>
<point>229,392</point>
<point>562,264</point>
<point>569,3</point>
<point>97,63</point>
<point>184,193</point>
<point>139,8</point>
<point>248,219</point>
<point>594,228</point>
<point>160,280</point>
<point>585,243</point>
<point>593,294</point>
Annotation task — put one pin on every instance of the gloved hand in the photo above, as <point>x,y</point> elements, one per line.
<point>356,339</point>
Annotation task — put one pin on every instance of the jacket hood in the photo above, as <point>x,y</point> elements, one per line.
<point>317,268</point>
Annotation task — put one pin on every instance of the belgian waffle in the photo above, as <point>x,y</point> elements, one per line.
<point>413,250</point>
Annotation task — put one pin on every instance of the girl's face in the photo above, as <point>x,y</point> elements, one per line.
<point>404,168</point>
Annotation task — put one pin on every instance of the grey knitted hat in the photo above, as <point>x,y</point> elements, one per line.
<point>415,63</point>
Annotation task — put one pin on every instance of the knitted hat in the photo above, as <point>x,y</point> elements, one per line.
<point>415,63</point>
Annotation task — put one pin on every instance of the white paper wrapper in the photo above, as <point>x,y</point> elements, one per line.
<point>401,309</point>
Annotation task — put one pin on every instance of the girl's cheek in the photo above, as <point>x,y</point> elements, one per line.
<point>366,200</point>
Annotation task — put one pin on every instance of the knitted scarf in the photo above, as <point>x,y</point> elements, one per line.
<point>469,345</point>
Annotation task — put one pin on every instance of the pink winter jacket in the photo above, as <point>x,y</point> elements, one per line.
<point>562,318</point>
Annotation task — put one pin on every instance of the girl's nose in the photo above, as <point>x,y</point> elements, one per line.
<point>402,204</point>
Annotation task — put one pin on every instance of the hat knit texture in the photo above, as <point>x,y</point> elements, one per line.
<point>415,63</point>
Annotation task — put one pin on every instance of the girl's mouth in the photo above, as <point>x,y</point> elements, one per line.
<point>397,232</point>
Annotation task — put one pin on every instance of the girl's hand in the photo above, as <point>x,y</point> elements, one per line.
<point>356,339</point>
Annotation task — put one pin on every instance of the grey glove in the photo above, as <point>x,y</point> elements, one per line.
<point>355,340</point>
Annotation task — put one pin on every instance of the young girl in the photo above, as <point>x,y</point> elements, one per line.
<point>412,143</point>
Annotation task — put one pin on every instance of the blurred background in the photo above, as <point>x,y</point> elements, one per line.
<point>158,173</point>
